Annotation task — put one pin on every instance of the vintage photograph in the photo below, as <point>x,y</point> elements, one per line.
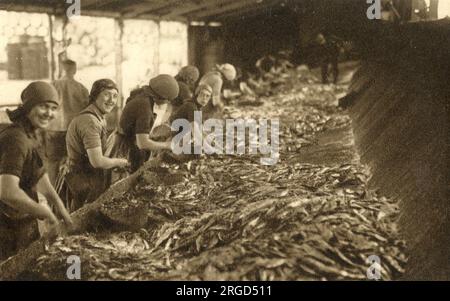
<point>224,140</point>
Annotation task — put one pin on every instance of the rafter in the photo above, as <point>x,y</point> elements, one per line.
<point>146,7</point>
<point>235,5</point>
<point>193,6</point>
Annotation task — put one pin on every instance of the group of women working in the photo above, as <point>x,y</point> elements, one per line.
<point>91,153</point>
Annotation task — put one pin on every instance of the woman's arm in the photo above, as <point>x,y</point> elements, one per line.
<point>217,90</point>
<point>45,187</point>
<point>143,141</point>
<point>12,195</point>
<point>97,159</point>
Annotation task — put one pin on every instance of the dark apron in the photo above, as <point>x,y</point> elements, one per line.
<point>18,230</point>
<point>84,182</point>
<point>125,147</point>
<point>16,234</point>
<point>211,112</point>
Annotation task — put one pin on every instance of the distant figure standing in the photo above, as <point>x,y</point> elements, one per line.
<point>328,53</point>
<point>214,79</point>
<point>74,98</point>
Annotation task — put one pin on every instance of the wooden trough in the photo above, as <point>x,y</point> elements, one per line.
<point>90,215</point>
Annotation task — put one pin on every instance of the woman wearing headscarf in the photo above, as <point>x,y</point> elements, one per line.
<point>215,80</point>
<point>86,145</point>
<point>202,97</point>
<point>22,173</point>
<point>187,77</point>
<point>132,139</point>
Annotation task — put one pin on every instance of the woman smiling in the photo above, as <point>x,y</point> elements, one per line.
<point>86,143</point>
<point>22,174</point>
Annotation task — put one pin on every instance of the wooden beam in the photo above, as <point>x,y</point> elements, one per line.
<point>85,217</point>
<point>136,10</point>
<point>156,58</point>
<point>192,6</point>
<point>235,5</point>
<point>250,11</point>
<point>118,51</point>
<point>100,13</point>
<point>159,18</point>
<point>88,3</point>
<point>88,12</point>
<point>56,10</point>
<point>96,4</point>
<point>434,9</point>
<point>31,8</point>
<point>52,48</point>
<point>11,268</point>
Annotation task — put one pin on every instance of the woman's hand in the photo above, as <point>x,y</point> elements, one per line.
<point>47,213</point>
<point>168,144</point>
<point>67,220</point>
<point>121,163</point>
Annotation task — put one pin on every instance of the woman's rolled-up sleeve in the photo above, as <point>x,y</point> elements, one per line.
<point>12,156</point>
<point>90,134</point>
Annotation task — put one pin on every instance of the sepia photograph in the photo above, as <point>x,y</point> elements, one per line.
<point>224,141</point>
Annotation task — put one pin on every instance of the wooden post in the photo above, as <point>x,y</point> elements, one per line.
<point>156,60</point>
<point>52,48</point>
<point>434,8</point>
<point>118,50</point>
<point>192,45</point>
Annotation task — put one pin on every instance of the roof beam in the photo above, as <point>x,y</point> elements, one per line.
<point>159,18</point>
<point>87,3</point>
<point>235,5</point>
<point>194,5</point>
<point>30,8</point>
<point>251,11</point>
<point>94,4</point>
<point>148,6</point>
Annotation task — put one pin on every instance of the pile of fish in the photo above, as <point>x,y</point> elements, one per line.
<point>231,218</point>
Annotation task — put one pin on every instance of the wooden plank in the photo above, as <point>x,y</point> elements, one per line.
<point>434,9</point>
<point>83,218</point>
<point>136,10</point>
<point>31,8</point>
<point>156,58</point>
<point>97,4</point>
<point>118,51</point>
<point>56,10</point>
<point>88,3</point>
<point>250,11</point>
<point>235,5</point>
<point>59,10</point>
<point>159,18</point>
<point>193,6</point>
<point>52,48</point>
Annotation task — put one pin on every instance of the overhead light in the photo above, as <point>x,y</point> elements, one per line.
<point>214,24</point>
<point>197,23</point>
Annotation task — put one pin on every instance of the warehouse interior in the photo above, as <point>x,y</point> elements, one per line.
<point>397,100</point>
